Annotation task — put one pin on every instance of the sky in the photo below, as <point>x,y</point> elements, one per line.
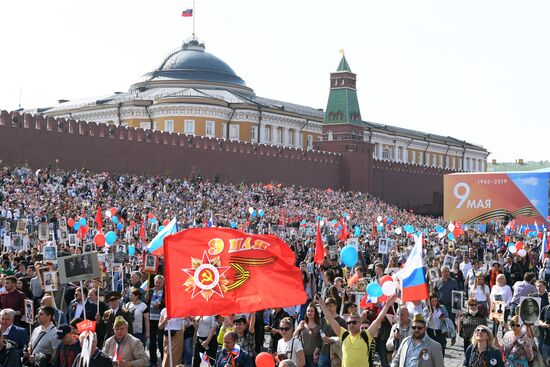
<point>475,70</point>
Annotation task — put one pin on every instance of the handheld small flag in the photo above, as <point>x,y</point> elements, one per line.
<point>412,276</point>
<point>187,13</point>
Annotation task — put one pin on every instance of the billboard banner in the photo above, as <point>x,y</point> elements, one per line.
<point>483,197</point>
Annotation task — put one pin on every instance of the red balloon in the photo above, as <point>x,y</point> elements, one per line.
<point>519,245</point>
<point>113,211</point>
<point>527,230</point>
<point>150,215</point>
<point>99,239</point>
<point>70,222</point>
<point>247,223</point>
<point>132,223</point>
<point>385,279</point>
<point>166,221</point>
<point>265,359</point>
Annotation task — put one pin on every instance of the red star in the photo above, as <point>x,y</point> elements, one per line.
<point>213,284</point>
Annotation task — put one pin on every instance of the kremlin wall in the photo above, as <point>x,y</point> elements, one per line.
<point>39,141</point>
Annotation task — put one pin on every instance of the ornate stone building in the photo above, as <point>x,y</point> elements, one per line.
<point>195,93</point>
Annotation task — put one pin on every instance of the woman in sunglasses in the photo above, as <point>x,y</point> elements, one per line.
<point>289,347</point>
<point>518,345</point>
<point>469,321</point>
<point>483,352</point>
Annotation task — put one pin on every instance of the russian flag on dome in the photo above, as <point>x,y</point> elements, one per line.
<point>412,276</point>
<point>187,13</point>
<point>155,246</point>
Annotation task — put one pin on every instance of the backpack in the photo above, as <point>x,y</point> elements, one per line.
<point>371,349</point>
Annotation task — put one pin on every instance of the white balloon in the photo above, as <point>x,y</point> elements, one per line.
<point>321,223</point>
<point>513,249</point>
<point>251,210</point>
<point>522,252</point>
<point>451,227</point>
<point>108,213</point>
<point>388,288</point>
<point>441,235</point>
<point>398,230</point>
<point>379,219</point>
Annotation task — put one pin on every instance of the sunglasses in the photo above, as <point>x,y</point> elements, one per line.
<point>352,322</point>
<point>472,304</point>
<point>284,328</point>
<point>418,327</point>
<point>481,330</point>
<point>514,325</point>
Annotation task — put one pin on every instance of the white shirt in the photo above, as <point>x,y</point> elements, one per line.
<point>465,267</point>
<point>7,330</point>
<point>505,292</point>
<point>480,293</point>
<point>285,348</point>
<point>172,324</point>
<point>206,324</point>
<point>138,311</point>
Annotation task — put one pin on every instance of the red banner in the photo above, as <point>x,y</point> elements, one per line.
<point>213,271</point>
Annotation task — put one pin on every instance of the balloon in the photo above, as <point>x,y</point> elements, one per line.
<point>349,256</point>
<point>99,239</point>
<point>261,213</point>
<point>120,226</point>
<point>132,223</point>
<point>451,227</point>
<point>254,213</point>
<point>384,279</point>
<point>522,252</point>
<point>519,245</point>
<point>388,221</point>
<point>110,237</point>
<point>441,235</point>
<point>82,222</point>
<point>451,236</point>
<point>374,289</point>
<point>321,223</point>
<point>513,249</point>
<point>265,359</point>
<point>439,229</point>
<point>107,213</point>
<point>247,223</point>
<point>113,211</point>
<point>150,215</point>
<point>161,228</point>
<point>166,221</point>
<point>131,250</point>
<point>379,219</point>
<point>380,227</point>
<point>70,222</point>
<point>388,288</point>
<point>398,231</point>
<point>76,226</point>
<point>153,220</point>
<point>250,210</point>
<point>409,228</point>
<point>304,221</point>
<point>114,219</point>
<point>357,232</point>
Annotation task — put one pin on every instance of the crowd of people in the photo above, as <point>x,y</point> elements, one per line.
<point>481,291</point>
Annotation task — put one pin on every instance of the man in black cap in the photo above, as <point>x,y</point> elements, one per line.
<point>68,349</point>
<point>105,323</point>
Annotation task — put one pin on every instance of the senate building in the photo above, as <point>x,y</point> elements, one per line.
<point>195,93</point>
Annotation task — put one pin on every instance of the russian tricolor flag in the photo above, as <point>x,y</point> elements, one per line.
<point>187,13</point>
<point>412,276</point>
<point>156,245</point>
<point>543,247</point>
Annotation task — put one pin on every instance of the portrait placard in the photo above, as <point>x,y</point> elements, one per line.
<point>449,261</point>
<point>497,311</point>
<point>43,232</point>
<point>457,301</point>
<point>29,312</point>
<point>78,267</point>
<point>63,223</point>
<point>50,253</point>
<point>382,246</point>
<point>529,310</point>
<point>72,240</point>
<point>50,281</point>
<point>21,226</point>
<point>150,264</point>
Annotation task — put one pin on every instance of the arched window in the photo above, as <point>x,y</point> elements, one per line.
<point>386,154</point>
<point>331,116</point>
<point>329,135</point>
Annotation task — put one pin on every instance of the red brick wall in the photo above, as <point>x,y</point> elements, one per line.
<point>39,141</point>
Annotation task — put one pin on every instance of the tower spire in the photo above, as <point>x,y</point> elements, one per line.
<point>343,106</point>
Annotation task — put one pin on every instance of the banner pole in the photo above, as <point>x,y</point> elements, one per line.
<point>83,299</point>
<point>169,344</point>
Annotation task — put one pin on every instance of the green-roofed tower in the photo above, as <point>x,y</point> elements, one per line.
<point>342,106</point>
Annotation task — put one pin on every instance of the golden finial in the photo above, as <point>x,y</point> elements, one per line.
<point>342,51</point>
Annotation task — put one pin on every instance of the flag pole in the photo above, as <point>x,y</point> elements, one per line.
<point>170,345</point>
<point>83,299</point>
<point>193,24</point>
